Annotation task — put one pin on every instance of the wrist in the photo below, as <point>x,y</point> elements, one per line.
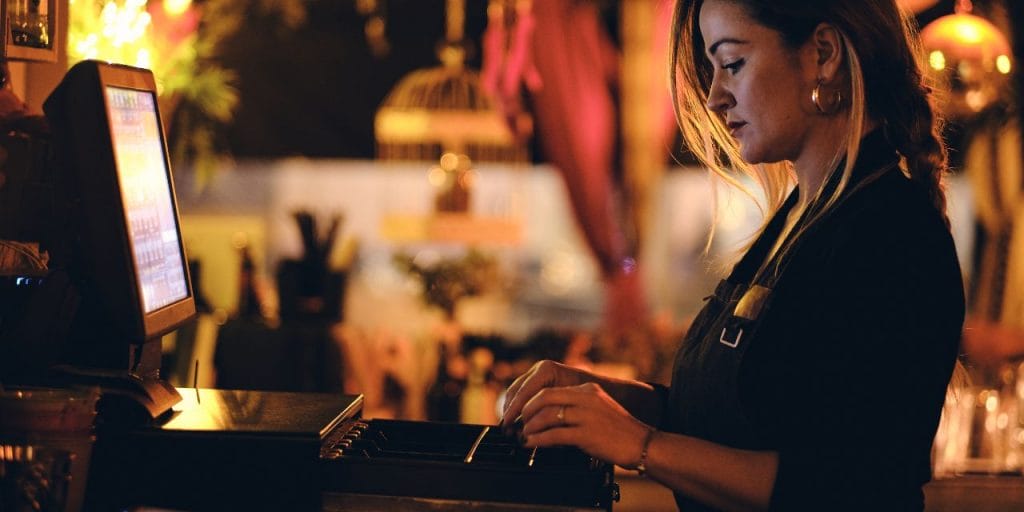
<point>641,465</point>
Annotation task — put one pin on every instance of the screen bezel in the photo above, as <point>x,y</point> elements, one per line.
<point>171,316</point>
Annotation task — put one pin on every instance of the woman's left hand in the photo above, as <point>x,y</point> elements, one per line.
<point>584,416</point>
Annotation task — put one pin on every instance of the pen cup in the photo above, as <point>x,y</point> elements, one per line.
<point>46,438</point>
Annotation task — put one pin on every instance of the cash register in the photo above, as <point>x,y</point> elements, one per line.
<point>208,449</point>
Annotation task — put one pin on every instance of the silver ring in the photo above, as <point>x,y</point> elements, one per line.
<point>561,415</point>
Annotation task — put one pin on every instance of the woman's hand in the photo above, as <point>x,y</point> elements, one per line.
<point>544,374</point>
<point>584,416</point>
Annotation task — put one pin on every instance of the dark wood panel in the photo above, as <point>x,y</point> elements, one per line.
<point>975,494</point>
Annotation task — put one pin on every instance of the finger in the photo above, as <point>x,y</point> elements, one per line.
<point>563,436</point>
<point>512,391</point>
<point>537,378</point>
<point>513,400</point>
<point>518,383</point>
<point>554,416</point>
<point>514,387</point>
<point>567,395</point>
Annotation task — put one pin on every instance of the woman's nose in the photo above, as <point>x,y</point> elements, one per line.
<point>719,100</point>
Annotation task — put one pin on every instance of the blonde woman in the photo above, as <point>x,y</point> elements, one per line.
<point>814,376</point>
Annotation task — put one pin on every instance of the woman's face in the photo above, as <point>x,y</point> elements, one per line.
<point>760,86</point>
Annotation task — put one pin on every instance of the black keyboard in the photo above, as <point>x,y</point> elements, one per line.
<point>459,461</point>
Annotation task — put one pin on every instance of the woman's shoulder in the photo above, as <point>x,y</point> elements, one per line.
<point>884,253</point>
<point>888,228</point>
<point>890,211</point>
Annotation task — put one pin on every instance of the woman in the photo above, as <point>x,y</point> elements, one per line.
<point>814,376</point>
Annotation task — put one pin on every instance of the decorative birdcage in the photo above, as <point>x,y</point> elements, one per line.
<point>443,110</point>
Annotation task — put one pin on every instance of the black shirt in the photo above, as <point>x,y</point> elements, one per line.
<point>845,371</point>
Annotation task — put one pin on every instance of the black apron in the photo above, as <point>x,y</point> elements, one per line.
<point>704,400</point>
<point>704,397</point>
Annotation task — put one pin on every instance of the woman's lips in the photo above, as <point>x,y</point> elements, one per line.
<point>736,126</point>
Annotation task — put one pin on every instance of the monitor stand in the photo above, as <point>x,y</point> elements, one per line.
<point>132,396</point>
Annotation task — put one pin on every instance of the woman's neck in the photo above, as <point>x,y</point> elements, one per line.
<point>819,155</point>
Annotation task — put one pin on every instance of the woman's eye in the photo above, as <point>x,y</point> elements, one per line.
<point>733,66</point>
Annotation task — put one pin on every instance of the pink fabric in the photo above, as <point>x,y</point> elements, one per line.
<point>561,54</point>
<point>519,63</point>
<point>507,65</point>
<point>494,51</point>
<point>576,117</point>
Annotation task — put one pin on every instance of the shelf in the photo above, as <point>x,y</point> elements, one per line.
<point>452,228</point>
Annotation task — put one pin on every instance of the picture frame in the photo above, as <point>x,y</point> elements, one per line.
<point>31,29</point>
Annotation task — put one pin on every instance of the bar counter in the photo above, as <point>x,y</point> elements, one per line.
<point>973,493</point>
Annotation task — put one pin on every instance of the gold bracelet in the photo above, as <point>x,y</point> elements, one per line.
<point>641,468</point>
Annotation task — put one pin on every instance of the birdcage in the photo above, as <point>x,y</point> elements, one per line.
<point>443,110</point>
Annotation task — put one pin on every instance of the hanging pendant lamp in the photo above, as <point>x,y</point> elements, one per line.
<point>971,56</point>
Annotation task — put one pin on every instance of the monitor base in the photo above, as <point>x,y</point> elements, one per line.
<point>125,397</point>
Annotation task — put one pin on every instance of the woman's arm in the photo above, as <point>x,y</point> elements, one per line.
<point>723,477</point>
<point>588,417</point>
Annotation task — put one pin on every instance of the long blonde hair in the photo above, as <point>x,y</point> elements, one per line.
<point>883,62</point>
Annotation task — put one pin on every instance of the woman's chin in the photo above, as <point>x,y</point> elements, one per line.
<point>753,155</point>
<point>749,156</point>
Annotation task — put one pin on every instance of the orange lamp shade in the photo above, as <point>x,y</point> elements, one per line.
<point>916,5</point>
<point>964,36</point>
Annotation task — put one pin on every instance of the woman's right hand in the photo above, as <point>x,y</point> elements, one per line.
<point>543,374</point>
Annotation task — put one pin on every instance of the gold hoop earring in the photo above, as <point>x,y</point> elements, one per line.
<point>833,106</point>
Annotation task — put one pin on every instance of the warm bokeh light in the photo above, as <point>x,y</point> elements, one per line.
<point>143,58</point>
<point>112,31</point>
<point>968,33</point>
<point>976,100</point>
<point>126,24</point>
<point>991,402</point>
<point>937,60</point>
<point>1003,64</point>
<point>449,161</point>
<point>158,35</point>
<point>436,176</point>
<point>176,7</point>
<point>1002,421</point>
<point>468,179</point>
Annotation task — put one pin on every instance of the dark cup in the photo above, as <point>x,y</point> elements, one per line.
<point>46,441</point>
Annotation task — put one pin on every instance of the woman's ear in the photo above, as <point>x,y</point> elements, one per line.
<point>828,47</point>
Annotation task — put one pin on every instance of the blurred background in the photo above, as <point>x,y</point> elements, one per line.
<point>418,199</point>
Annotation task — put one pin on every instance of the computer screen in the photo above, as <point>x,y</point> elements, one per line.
<point>146,195</point>
<point>126,257</point>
